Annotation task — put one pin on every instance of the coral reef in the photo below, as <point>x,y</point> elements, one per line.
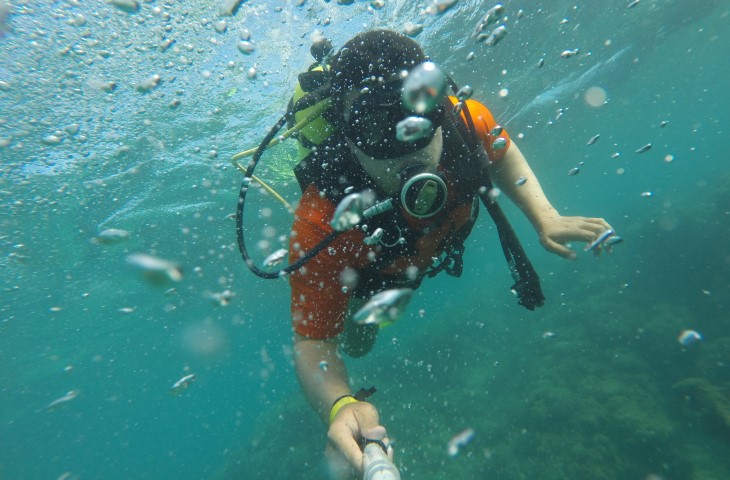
<point>709,401</point>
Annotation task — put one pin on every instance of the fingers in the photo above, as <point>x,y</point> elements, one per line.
<point>594,225</point>
<point>390,451</point>
<point>582,229</point>
<point>600,226</point>
<point>603,228</point>
<point>558,249</point>
<point>600,222</point>
<point>375,433</point>
<point>343,440</point>
<point>379,434</point>
<point>354,422</point>
<point>586,235</point>
<point>569,229</point>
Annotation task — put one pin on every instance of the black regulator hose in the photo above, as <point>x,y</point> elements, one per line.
<point>247,178</point>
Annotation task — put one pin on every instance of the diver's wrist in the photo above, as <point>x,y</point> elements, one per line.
<point>541,217</point>
<point>338,404</point>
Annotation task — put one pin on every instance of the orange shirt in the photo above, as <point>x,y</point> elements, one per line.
<point>319,294</point>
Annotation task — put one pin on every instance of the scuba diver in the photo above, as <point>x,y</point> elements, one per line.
<point>409,195</point>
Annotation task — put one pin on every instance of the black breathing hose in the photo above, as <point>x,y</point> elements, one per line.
<point>239,215</point>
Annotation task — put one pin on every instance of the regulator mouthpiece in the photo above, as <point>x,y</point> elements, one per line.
<point>423,194</point>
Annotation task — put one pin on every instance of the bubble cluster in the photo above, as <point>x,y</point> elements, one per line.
<point>424,88</point>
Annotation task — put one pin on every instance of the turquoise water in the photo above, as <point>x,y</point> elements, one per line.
<point>592,385</point>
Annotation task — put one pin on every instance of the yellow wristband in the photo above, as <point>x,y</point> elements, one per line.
<point>339,404</point>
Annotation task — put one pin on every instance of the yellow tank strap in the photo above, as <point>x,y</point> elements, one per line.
<point>309,122</point>
<point>314,111</point>
<point>319,129</point>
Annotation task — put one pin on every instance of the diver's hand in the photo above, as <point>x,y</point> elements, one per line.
<point>355,423</point>
<point>556,231</point>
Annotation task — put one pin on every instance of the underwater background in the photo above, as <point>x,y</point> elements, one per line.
<point>593,385</point>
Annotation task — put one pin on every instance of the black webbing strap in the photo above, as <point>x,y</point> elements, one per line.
<point>527,283</point>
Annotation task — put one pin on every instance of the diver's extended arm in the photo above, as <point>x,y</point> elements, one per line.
<point>321,372</point>
<point>554,229</point>
<point>322,386</point>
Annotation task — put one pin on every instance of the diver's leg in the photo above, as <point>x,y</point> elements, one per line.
<point>357,340</point>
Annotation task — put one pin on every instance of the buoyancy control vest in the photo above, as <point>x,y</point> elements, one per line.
<point>333,170</point>
<point>326,162</point>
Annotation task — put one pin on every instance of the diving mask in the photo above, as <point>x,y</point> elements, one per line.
<point>372,124</point>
